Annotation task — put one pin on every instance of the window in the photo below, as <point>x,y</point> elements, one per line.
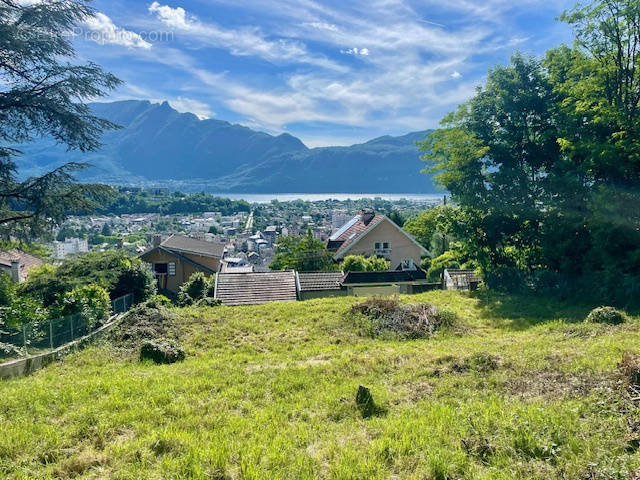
<point>378,246</point>
<point>172,269</point>
<point>386,245</point>
<point>160,268</point>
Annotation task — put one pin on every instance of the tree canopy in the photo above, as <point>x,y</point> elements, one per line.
<point>43,93</point>
<point>544,162</point>
<point>303,253</point>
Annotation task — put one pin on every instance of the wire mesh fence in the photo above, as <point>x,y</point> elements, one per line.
<point>38,337</point>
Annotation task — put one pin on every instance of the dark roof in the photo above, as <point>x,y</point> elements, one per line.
<point>385,277</point>
<point>354,229</point>
<point>317,281</point>
<point>256,288</point>
<point>182,244</point>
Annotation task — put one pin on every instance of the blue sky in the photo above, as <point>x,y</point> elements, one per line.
<point>331,73</point>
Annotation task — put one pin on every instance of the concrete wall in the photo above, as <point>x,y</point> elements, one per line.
<point>401,246</point>
<point>322,294</point>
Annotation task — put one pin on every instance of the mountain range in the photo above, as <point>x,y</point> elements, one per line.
<point>158,144</point>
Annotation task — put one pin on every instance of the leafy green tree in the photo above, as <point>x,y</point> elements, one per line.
<point>544,163</point>
<point>90,301</point>
<point>116,271</point>
<point>44,94</point>
<point>7,290</point>
<point>304,254</point>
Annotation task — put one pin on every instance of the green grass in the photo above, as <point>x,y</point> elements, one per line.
<point>268,392</point>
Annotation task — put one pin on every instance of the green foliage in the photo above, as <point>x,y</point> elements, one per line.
<point>23,309</point>
<point>158,301</point>
<point>90,301</point>
<point>303,253</point>
<point>175,203</point>
<point>115,271</point>
<point>7,289</point>
<point>607,315</point>
<point>44,91</point>
<point>438,265</point>
<point>423,226</point>
<point>198,287</point>
<point>544,164</point>
<point>36,249</point>
<point>360,263</point>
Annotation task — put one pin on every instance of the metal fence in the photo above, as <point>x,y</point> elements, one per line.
<point>37,337</point>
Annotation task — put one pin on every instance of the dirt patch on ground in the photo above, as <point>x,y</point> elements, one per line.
<point>553,384</point>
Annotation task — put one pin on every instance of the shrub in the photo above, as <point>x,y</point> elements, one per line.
<point>360,263</point>
<point>439,264</point>
<point>7,290</point>
<point>91,301</point>
<point>137,279</point>
<point>608,315</point>
<point>161,351</point>
<point>23,310</point>
<point>198,286</point>
<point>158,301</point>
<point>407,321</point>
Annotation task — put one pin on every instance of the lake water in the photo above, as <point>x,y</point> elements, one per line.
<point>315,197</point>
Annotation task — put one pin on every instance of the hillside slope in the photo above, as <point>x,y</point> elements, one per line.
<point>523,390</point>
<point>158,143</point>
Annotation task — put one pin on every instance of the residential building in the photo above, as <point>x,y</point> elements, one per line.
<point>370,234</point>
<point>178,257</point>
<point>17,264</point>
<point>70,246</point>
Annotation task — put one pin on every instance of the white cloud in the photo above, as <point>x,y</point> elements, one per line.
<point>240,42</point>
<point>456,74</point>
<point>356,51</point>
<point>198,108</point>
<point>102,30</point>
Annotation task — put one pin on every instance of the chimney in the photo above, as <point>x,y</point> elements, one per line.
<point>367,215</point>
<point>157,240</point>
<point>15,271</point>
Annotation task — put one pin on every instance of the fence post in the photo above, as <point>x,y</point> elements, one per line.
<point>51,334</point>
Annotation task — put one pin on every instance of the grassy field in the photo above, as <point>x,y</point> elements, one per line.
<point>524,389</point>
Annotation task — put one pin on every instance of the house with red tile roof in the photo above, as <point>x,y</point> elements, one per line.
<point>372,234</point>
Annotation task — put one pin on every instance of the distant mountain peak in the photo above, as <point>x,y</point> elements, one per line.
<point>158,143</point>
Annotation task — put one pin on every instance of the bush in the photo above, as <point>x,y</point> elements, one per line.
<point>158,301</point>
<point>161,351</point>
<point>360,263</point>
<point>23,310</point>
<point>439,264</point>
<point>198,286</point>
<point>407,321</point>
<point>608,315</point>
<point>90,301</point>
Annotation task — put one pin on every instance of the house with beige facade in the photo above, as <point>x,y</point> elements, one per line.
<point>371,234</point>
<point>175,259</point>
